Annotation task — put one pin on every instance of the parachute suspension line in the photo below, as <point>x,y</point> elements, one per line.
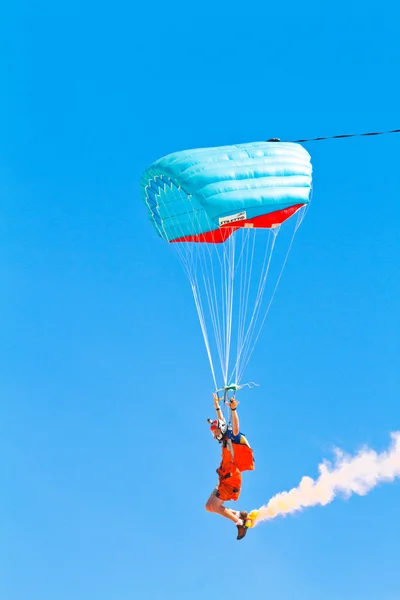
<point>247,347</point>
<point>258,302</point>
<point>202,260</point>
<point>212,308</point>
<point>300,217</point>
<point>245,280</point>
<point>200,312</point>
<point>245,284</point>
<point>206,263</point>
<point>243,272</point>
<point>226,261</point>
<point>230,278</point>
<point>219,308</point>
<point>186,261</point>
<point>211,293</point>
<point>203,329</point>
<point>224,303</point>
<point>304,209</point>
<point>189,260</point>
<point>201,264</point>
<point>216,304</point>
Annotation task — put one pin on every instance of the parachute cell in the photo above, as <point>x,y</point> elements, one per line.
<point>206,194</point>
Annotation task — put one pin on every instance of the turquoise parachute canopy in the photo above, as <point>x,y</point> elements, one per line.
<point>204,195</point>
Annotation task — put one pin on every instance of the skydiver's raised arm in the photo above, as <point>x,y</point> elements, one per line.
<point>235,418</point>
<point>217,407</point>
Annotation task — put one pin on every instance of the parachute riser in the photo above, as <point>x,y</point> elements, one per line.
<point>229,394</point>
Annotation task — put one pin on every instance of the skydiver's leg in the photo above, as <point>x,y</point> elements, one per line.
<point>216,505</point>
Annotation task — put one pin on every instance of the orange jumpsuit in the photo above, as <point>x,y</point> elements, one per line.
<point>232,466</point>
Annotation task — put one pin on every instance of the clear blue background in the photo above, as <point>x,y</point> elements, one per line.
<point>106,460</point>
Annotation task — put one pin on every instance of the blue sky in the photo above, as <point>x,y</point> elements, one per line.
<point>106,459</point>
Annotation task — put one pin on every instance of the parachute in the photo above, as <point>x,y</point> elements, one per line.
<point>222,209</point>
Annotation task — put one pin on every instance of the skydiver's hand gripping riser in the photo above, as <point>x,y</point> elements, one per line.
<point>227,399</point>
<point>234,387</point>
<point>229,395</point>
<point>231,389</point>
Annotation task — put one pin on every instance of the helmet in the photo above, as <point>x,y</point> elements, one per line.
<point>221,425</point>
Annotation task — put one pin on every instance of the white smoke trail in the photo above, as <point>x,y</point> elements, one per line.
<point>348,475</point>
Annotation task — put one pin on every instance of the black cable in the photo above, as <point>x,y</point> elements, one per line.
<point>336,137</point>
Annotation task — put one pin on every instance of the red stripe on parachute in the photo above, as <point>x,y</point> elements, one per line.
<point>216,236</point>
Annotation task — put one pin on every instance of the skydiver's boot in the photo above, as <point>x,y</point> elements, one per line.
<point>242,529</point>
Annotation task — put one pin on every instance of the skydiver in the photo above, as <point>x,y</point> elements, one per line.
<point>237,456</point>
